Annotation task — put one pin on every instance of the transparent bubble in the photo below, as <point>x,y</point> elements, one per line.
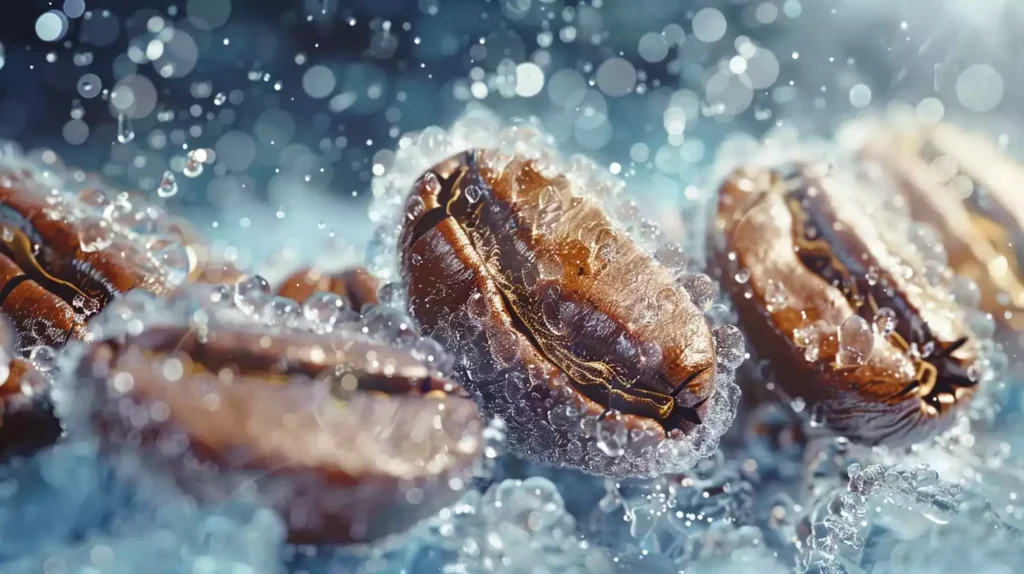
<point>94,234</point>
<point>612,435</point>
<point>702,290</point>
<point>729,346</point>
<point>44,358</point>
<point>885,321</point>
<point>856,341</point>
<point>325,310</point>
<point>251,293</point>
<point>280,311</point>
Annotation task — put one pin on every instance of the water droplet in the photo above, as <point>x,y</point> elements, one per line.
<point>873,275</point>
<point>856,341</point>
<point>729,346</point>
<point>742,276</point>
<point>776,295</point>
<point>702,290</point>
<point>560,416</point>
<point>612,435</point>
<point>885,321</point>
<point>551,312</point>
<point>94,234</point>
<point>390,325</point>
<point>119,210</point>
<point>220,98</point>
<point>674,258</point>
<point>798,404</point>
<point>168,186</point>
<point>125,132</point>
<point>473,193</point>
<point>44,358</point>
<point>251,293</point>
<point>194,164</point>
<point>280,311</point>
<point>171,257</point>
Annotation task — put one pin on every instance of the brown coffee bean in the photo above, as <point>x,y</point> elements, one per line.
<point>348,438</point>
<point>838,303</point>
<point>966,188</point>
<point>63,257</point>
<point>592,352</point>
<point>80,248</point>
<point>27,422</point>
<point>356,285</point>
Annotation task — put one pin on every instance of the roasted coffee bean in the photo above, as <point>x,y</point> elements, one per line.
<point>965,187</point>
<point>835,299</point>
<point>348,438</point>
<point>594,354</point>
<point>27,423</point>
<point>66,255</point>
<point>356,285</point>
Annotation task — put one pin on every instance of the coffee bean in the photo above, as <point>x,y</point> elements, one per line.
<point>967,188</point>
<point>64,255</point>
<point>560,323</point>
<point>835,298</point>
<point>348,438</point>
<point>355,284</point>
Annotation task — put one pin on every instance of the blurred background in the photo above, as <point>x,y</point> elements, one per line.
<point>280,111</point>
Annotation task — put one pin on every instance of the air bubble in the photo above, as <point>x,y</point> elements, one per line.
<point>729,346</point>
<point>44,358</point>
<point>324,310</point>
<point>856,341</point>
<point>251,293</point>
<point>885,321</point>
<point>702,290</point>
<point>612,435</point>
<point>280,311</point>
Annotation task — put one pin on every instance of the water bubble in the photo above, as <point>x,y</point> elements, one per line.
<point>856,341</point>
<point>729,346</point>
<point>94,234</point>
<point>325,309</point>
<point>560,416</point>
<point>280,311</point>
<point>673,257</point>
<point>798,404</point>
<point>168,186</point>
<point>776,295</point>
<point>390,325</point>
<point>612,435</point>
<point>742,276</point>
<point>220,98</point>
<point>885,321</point>
<point>702,290</point>
<point>251,293</point>
<point>171,256</point>
<point>44,358</point>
